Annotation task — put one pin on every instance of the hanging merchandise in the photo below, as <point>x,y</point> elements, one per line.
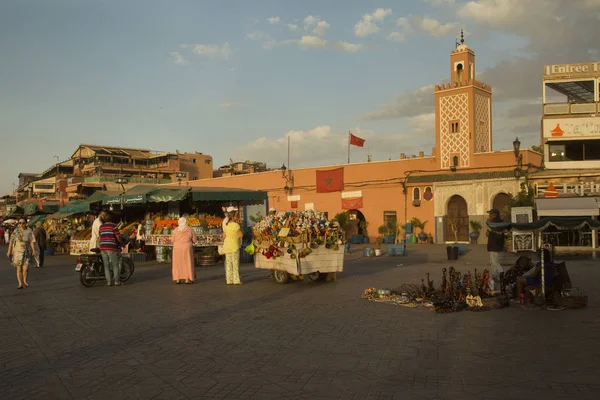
<point>295,234</point>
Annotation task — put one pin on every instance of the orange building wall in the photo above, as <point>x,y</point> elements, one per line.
<point>381,184</point>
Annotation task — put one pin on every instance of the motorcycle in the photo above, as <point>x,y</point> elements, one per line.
<point>91,268</point>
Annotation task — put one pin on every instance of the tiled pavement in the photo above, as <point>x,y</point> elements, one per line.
<point>151,339</point>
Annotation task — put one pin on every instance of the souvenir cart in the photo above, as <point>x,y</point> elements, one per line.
<point>297,243</point>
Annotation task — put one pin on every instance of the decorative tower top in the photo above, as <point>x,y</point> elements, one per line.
<point>462,46</point>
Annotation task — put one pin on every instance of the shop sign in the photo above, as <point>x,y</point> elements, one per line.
<point>572,69</point>
<point>294,198</point>
<point>571,127</point>
<point>135,199</point>
<point>309,206</point>
<point>352,195</point>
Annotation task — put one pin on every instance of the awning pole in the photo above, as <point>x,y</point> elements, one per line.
<point>543,270</point>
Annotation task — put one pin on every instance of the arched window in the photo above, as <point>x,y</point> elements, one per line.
<point>416,194</point>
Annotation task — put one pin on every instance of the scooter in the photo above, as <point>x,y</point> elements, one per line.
<point>91,268</point>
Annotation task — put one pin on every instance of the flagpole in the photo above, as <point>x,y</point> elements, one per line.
<point>349,147</point>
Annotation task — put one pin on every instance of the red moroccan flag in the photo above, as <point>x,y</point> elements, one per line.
<point>356,141</point>
<point>352,204</point>
<point>330,181</point>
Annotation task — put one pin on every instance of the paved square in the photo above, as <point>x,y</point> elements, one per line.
<point>151,339</point>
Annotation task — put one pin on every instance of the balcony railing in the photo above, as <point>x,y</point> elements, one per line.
<point>100,179</point>
<point>567,109</point>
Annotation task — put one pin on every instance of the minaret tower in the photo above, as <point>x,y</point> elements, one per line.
<point>463,112</point>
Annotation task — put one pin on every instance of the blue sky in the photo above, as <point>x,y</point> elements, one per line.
<point>233,78</point>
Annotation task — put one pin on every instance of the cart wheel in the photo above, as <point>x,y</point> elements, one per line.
<point>281,277</point>
<point>314,276</point>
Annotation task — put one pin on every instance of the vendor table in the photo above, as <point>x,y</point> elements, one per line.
<point>203,240</point>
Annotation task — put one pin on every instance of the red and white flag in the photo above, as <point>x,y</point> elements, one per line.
<point>356,141</point>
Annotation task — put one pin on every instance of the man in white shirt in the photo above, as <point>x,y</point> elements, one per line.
<point>95,240</point>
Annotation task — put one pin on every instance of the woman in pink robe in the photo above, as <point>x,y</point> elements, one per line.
<point>183,238</point>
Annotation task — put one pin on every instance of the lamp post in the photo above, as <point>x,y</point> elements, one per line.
<point>518,157</point>
<point>289,179</point>
<point>180,176</point>
<point>122,182</point>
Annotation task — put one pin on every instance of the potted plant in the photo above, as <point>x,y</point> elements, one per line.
<point>417,223</point>
<point>452,250</point>
<point>394,248</point>
<point>475,229</point>
<point>363,228</point>
<point>343,219</point>
<point>389,231</point>
<point>379,241</point>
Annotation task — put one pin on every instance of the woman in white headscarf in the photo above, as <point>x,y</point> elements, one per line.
<point>183,238</point>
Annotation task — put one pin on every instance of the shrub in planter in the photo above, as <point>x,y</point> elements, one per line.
<point>475,229</point>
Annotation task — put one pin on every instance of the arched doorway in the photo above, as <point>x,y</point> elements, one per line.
<point>457,219</point>
<point>356,217</point>
<point>502,203</point>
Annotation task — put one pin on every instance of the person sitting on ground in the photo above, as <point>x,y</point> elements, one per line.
<point>533,277</point>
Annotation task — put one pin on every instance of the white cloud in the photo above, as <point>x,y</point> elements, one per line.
<point>424,25</point>
<point>397,36</point>
<point>368,25</point>
<point>321,28</point>
<point>308,42</point>
<point>256,35</point>
<point>410,104</point>
<point>310,20</point>
<point>433,27</point>
<point>347,47</point>
<point>315,25</point>
<point>292,27</point>
<point>177,59</point>
<point>274,20</point>
<point>312,42</point>
<point>213,50</point>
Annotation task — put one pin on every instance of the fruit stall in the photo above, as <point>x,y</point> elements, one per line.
<point>297,243</point>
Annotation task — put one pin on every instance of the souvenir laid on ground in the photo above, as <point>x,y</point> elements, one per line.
<point>295,234</point>
<point>456,292</point>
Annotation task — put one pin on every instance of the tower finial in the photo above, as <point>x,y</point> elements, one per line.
<point>462,37</point>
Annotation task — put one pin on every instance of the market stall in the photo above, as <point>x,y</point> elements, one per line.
<point>69,228</point>
<point>540,226</point>
<point>297,243</point>
<point>201,206</point>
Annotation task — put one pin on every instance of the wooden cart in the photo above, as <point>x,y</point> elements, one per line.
<point>321,264</point>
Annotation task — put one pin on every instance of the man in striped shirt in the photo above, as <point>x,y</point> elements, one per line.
<point>109,245</point>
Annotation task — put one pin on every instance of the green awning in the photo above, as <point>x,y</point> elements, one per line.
<point>75,207</point>
<point>227,194</point>
<point>143,193</point>
<point>164,195</point>
<point>31,208</point>
<point>36,219</point>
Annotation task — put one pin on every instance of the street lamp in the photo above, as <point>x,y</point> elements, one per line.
<point>122,182</point>
<point>518,157</point>
<point>180,176</point>
<point>289,179</point>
